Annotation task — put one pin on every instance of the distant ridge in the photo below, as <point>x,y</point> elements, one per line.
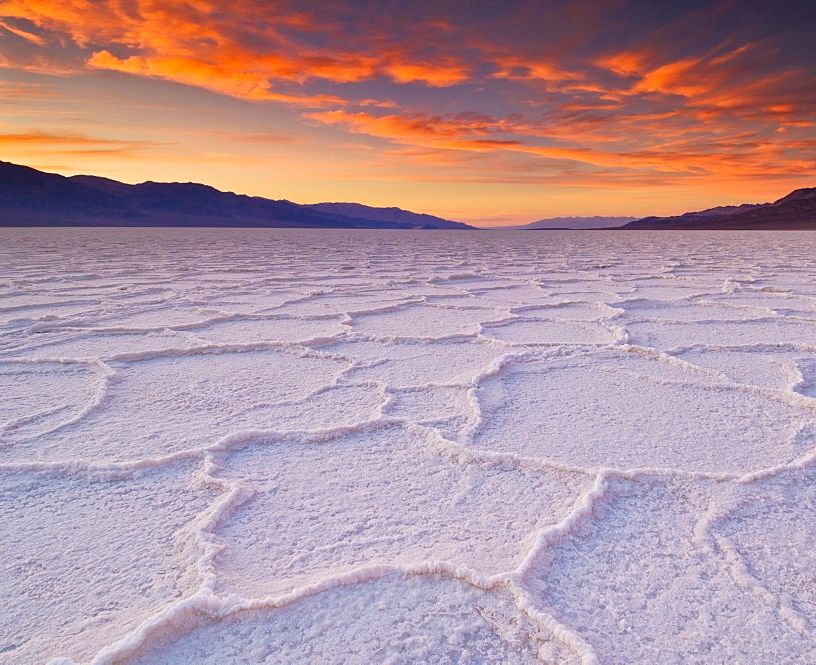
<point>29,197</point>
<point>796,211</point>
<point>594,222</point>
<point>392,215</point>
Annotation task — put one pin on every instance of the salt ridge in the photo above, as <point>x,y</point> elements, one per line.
<point>527,582</point>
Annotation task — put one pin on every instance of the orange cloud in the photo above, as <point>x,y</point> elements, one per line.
<point>21,33</point>
<point>691,157</point>
<point>542,105</point>
<point>673,79</point>
<point>517,68</point>
<point>407,126</point>
<point>197,44</point>
<point>435,75</point>
<point>217,77</point>
<point>30,143</point>
<point>16,93</point>
<point>625,63</point>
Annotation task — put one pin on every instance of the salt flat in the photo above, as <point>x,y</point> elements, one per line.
<point>286,446</point>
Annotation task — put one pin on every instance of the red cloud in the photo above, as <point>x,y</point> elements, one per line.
<point>655,109</point>
<point>243,53</point>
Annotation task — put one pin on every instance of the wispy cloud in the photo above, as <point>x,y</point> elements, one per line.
<point>523,92</point>
<point>72,143</point>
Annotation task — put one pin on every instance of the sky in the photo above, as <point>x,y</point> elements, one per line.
<point>487,112</point>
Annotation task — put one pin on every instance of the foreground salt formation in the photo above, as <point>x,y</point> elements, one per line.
<point>353,447</point>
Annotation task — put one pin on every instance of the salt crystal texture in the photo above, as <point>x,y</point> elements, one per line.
<point>281,446</point>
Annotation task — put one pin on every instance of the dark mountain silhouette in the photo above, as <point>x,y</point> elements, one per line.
<point>394,215</point>
<point>29,197</point>
<point>797,210</point>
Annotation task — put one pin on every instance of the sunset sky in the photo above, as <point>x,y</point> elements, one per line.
<point>488,112</point>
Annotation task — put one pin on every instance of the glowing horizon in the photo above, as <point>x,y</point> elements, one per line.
<point>496,115</point>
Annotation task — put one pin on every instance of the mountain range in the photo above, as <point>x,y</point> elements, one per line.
<point>795,211</point>
<point>29,197</point>
<point>595,222</point>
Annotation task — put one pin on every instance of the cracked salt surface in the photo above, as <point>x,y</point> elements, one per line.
<point>350,447</point>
